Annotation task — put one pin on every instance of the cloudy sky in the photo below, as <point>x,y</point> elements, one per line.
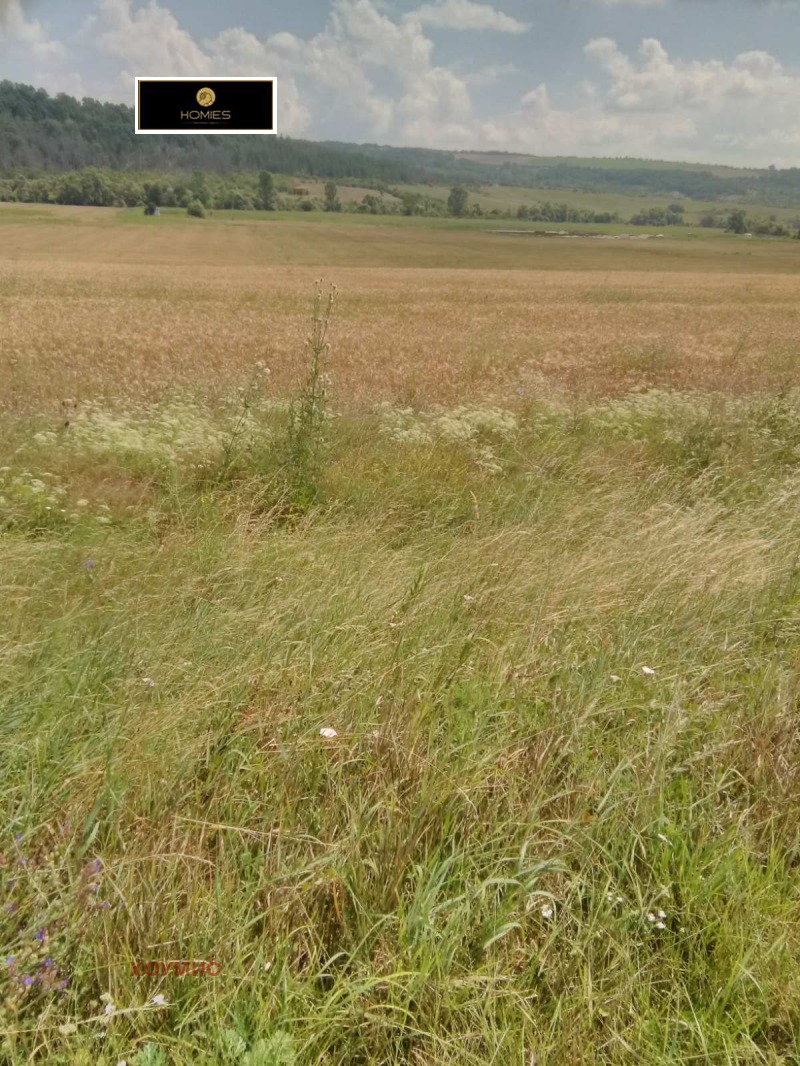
<point>705,80</point>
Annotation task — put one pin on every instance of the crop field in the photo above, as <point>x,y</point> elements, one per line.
<point>400,674</point>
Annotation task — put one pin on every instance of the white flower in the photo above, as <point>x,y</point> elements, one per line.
<point>148,682</point>
<point>328,733</point>
<point>267,967</point>
<point>651,917</point>
<point>660,925</point>
<point>469,599</point>
<point>547,912</point>
<point>615,678</point>
<point>648,672</point>
<point>109,1008</point>
<point>661,914</point>
<point>159,1000</point>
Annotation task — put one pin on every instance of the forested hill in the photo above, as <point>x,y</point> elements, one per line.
<point>58,134</point>
<point>40,133</point>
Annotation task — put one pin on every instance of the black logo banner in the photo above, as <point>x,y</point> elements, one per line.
<point>205,105</point>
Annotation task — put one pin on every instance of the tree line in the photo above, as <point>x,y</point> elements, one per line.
<point>43,134</point>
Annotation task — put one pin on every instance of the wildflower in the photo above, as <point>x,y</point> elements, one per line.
<point>10,960</point>
<point>328,733</point>
<point>615,678</point>
<point>660,925</point>
<point>660,914</point>
<point>27,981</point>
<point>469,599</point>
<point>547,912</point>
<point>648,672</point>
<point>40,935</point>
<point>90,564</point>
<point>109,1008</point>
<point>148,682</point>
<point>159,1000</point>
<point>651,918</point>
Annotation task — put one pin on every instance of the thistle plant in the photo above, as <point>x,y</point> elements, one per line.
<point>308,413</point>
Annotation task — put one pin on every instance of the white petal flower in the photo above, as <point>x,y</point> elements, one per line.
<point>109,1008</point>
<point>547,912</point>
<point>615,677</point>
<point>328,733</point>
<point>159,1000</point>
<point>660,925</point>
<point>648,672</point>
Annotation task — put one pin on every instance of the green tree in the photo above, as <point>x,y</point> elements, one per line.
<point>198,188</point>
<point>332,201</point>
<point>737,222</point>
<point>457,201</point>
<point>196,209</point>
<point>267,195</point>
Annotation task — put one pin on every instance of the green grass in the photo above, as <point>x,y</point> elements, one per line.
<point>473,870</point>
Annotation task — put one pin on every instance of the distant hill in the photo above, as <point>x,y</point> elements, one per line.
<point>44,134</point>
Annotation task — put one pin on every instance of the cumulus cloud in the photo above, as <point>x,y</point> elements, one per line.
<point>17,30</point>
<point>467,15</point>
<point>376,75</point>
<point>652,104</point>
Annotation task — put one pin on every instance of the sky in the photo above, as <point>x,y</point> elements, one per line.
<point>715,81</point>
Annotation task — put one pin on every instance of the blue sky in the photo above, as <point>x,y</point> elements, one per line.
<point>704,80</point>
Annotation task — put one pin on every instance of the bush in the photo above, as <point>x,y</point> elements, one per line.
<point>196,209</point>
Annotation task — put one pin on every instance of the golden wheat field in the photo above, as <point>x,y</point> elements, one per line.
<point>93,306</point>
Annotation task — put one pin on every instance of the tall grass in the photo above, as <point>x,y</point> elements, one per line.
<point>553,815</point>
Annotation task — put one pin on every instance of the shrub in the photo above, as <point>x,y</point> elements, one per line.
<point>196,209</point>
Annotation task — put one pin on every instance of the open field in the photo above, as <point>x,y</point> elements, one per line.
<point>448,717</point>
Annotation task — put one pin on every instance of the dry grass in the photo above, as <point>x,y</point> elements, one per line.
<point>91,309</point>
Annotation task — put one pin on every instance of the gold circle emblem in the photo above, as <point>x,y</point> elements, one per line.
<point>206,97</point>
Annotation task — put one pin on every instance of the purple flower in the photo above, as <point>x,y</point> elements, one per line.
<point>18,837</point>
<point>40,935</point>
<point>27,981</point>
<point>94,867</point>
<point>90,564</point>
<point>10,960</point>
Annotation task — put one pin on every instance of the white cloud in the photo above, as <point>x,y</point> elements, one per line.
<point>376,76</point>
<point>16,30</point>
<point>467,15</point>
<point>653,105</point>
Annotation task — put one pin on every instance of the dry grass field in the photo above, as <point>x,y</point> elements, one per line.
<point>92,309</point>
<point>423,695</point>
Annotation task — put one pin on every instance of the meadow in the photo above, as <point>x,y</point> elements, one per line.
<point>401,674</point>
